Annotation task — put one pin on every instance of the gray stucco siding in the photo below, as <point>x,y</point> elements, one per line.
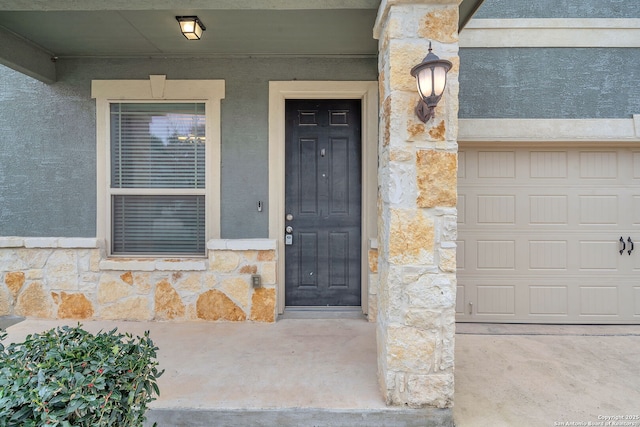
<point>549,83</point>
<point>508,9</point>
<point>48,147</point>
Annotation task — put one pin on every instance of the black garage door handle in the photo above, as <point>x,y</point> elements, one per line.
<point>631,243</point>
<point>624,246</point>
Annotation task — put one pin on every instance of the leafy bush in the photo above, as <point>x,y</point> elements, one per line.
<point>68,377</point>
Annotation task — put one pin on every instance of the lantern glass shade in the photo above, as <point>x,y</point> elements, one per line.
<point>191,27</point>
<point>431,81</point>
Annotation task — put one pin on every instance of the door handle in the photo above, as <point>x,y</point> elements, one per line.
<point>624,246</point>
<point>631,243</point>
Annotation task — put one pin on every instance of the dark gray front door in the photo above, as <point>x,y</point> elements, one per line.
<point>322,202</point>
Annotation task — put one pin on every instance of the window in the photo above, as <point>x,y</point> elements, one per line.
<point>158,166</point>
<point>158,172</point>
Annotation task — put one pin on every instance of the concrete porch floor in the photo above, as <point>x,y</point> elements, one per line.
<point>322,372</point>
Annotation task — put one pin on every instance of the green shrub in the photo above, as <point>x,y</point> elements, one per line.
<point>68,377</point>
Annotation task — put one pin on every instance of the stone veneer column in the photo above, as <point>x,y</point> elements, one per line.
<point>417,208</point>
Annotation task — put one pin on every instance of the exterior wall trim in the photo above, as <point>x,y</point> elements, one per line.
<point>279,91</point>
<point>550,130</point>
<point>158,88</point>
<point>572,33</point>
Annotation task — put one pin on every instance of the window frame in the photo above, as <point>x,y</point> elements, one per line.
<point>157,89</point>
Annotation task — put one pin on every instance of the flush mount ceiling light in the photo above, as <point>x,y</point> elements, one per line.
<point>431,77</point>
<point>191,27</point>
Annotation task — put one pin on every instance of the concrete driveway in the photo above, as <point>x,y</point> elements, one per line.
<point>547,375</point>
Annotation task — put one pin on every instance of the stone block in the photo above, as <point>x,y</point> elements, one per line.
<point>180,265</point>
<point>5,302</point>
<point>266,255</point>
<point>373,260</point>
<point>189,282</point>
<point>238,289</point>
<point>447,260</point>
<point>403,56</point>
<point>74,306</point>
<point>33,258</point>
<point>440,24</point>
<point>127,264</point>
<point>435,390</point>
<point>14,281</point>
<point>78,242</point>
<point>214,305</point>
<point>33,301</point>
<point>411,237</point>
<point>268,272</point>
<point>40,242</point>
<point>410,349</point>
<point>263,305</point>
<point>127,278</point>
<point>248,269</point>
<point>111,288</point>
<point>223,261</point>
<point>11,242</point>
<point>142,282</point>
<point>437,178</point>
<point>210,280</point>
<point>431,293</point>
<point>168,304</point>
<point>136,308</point>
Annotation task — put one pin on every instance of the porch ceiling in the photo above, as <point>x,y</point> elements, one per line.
<point>34,31</point>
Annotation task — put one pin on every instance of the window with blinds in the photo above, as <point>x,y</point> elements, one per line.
<point>158,176</point>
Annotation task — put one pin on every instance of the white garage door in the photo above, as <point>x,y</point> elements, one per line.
<point>541,233</point>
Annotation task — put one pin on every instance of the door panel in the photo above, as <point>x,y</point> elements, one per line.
<point>323,200</point>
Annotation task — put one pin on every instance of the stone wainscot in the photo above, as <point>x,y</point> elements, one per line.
<point>71,278</point>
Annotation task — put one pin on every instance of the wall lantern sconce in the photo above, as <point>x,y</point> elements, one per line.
<point>191,27</point>
<point>431,77</point>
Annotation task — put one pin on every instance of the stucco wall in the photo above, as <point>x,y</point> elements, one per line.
<point>549,83</point>
<point>47,137</point>
<point>559,9</point>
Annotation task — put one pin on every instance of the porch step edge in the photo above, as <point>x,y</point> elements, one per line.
<point>286,417</point>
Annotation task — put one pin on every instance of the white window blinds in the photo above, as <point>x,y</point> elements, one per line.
<point>158,178</point>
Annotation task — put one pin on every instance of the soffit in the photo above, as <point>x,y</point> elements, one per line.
<point>34,30</point>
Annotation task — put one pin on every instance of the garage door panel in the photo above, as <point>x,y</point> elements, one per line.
<point>635,212</point>
<point>599,209</point>
<point>460,300</point>
<point>461,207</point>
<point>496,254</point>
<point>548,300</point>
<point>598,164</point>
<point>496,164</point>
<point>636,164</point>
<point>599,255</point>
<point>496,300</point>
<point>460,255</point>
<point>539,235</point>
<point>548,255</point>
<point>599,300</point>
<point>548,164</point>
<point>548,209</point>
<point>496,209</point>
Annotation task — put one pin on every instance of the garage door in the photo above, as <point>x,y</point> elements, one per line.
<point>549,235</point>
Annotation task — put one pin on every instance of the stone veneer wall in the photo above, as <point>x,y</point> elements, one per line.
<point>372,313</point>
<point>417,208</point>
<point>70,278</point>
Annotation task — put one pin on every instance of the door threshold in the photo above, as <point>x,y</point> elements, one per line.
<point>322,312</point>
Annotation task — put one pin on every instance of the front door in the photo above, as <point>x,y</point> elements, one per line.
<point>322,203</point>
